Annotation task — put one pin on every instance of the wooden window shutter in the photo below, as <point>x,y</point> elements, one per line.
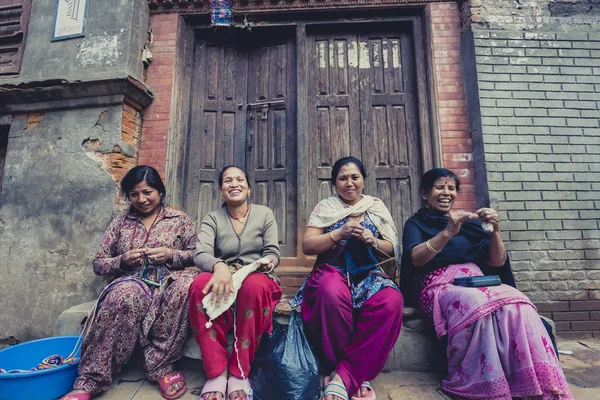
<point>14,19</point>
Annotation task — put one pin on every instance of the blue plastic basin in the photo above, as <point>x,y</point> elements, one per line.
<point>48,384</point>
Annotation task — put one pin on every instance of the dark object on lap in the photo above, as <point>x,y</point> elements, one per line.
<point>478,281</point>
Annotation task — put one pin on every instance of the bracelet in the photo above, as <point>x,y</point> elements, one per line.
<point>331,237</point>
<point>430,248</point>
<point>376,243</point>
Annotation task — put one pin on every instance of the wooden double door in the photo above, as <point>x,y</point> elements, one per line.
<point>357,97</point>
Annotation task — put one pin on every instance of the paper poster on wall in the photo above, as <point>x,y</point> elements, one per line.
<point>70,19</point>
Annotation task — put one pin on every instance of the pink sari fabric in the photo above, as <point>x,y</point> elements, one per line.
<point>497,346</point>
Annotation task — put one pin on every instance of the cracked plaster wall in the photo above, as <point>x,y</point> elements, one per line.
<point>57,198</point>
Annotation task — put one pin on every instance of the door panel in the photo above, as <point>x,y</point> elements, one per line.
<point>233,73</point>
<point>271,150</point>
<point>217,124</point>
<point>362,103</point>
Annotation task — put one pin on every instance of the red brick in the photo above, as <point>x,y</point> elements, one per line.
<point>450,95</point>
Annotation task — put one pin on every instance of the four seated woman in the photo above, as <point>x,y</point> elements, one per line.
<point>237,234</point>
<point>352,311</point>
<point>497,345</point>
<point>144,250</point>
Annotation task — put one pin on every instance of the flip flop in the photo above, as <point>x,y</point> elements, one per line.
<point>370,396</point>
<point>334,388</point>
<point>77,396</point>
<point>167,381</point>
<point>234,384</point>
<point>218,384</point>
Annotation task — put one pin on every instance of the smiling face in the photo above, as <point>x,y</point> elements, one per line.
<point>350,183</point>
<point>235,190</point>
<point>442,195</point>
<point>144,198</point>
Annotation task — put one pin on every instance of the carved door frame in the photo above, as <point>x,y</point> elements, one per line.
<point>430,153</point>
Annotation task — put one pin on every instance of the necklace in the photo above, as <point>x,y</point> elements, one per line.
<point>240,219</point>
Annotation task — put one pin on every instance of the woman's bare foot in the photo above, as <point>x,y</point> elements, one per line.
<point>215,395</point>
<point>335,378</point>
<point>174,388</point>
<point>71,395</point>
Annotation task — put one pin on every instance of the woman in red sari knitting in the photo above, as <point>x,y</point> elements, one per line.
<point>497,347</point>
<point>145,251</point>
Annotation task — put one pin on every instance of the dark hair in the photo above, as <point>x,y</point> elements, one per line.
<point>345,161</point>
<point>429,178</point>
<point>139,174</point>
<point>225,168</point>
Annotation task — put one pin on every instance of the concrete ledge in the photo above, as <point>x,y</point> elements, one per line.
<point>69,322</point>
<point>416,350</point>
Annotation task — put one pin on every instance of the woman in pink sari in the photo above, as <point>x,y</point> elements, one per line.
<point>497,347</point>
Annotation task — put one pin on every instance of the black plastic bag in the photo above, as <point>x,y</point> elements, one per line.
<point>284,367</point>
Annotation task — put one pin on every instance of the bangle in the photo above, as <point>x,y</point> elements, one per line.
<point>430,248</point>
<point>331,237</point>
<point>376,243</point>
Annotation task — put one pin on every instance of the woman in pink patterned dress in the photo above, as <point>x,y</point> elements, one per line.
<point>144,251</point>
<point>498,347</point>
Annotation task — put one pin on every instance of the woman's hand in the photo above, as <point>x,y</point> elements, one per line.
<point>221,283</point>
<point>350,229</point>
<point>159,255</point>
<point>490,216</point>
<point>455,220</point>
<point>365,236</point>
<point>268,267</point>
<point>132,258</point>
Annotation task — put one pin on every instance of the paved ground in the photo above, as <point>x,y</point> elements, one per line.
<point>582,369</point>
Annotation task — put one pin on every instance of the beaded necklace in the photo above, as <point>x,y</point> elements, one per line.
<point>240,219</point>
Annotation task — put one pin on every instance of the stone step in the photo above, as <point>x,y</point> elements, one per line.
<point>416,350</point>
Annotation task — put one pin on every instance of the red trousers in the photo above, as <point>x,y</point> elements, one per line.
<point>254,306</point>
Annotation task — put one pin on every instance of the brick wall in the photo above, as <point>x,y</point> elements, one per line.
<point>539,90</point>
<point>457,150</point>
<point>160,77</point>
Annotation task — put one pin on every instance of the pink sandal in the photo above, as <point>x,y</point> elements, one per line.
<point>77,396</point>
<point>234,384</point>
<point>169,380</point>
<point>218,384</point>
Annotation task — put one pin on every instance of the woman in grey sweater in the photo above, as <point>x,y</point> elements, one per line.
<point>237,234</point>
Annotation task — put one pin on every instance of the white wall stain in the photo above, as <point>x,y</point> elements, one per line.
<point>385,56</point>
<point>100,50</point>
<point>396,54</point>
<point>376,53</point>
<point>352,54</point>
<point>364,61</point>
<point>321,50</point>
<point>462,157</point>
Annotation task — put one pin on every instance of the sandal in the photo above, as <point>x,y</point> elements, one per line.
<point>370,396</point>
<point>218,384</point>
<point>234,384</point>
<point>77,396</point>
<point>334,388</point>
<point>168,381</point>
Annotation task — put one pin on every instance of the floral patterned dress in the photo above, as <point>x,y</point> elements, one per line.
<point>133,310</point>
